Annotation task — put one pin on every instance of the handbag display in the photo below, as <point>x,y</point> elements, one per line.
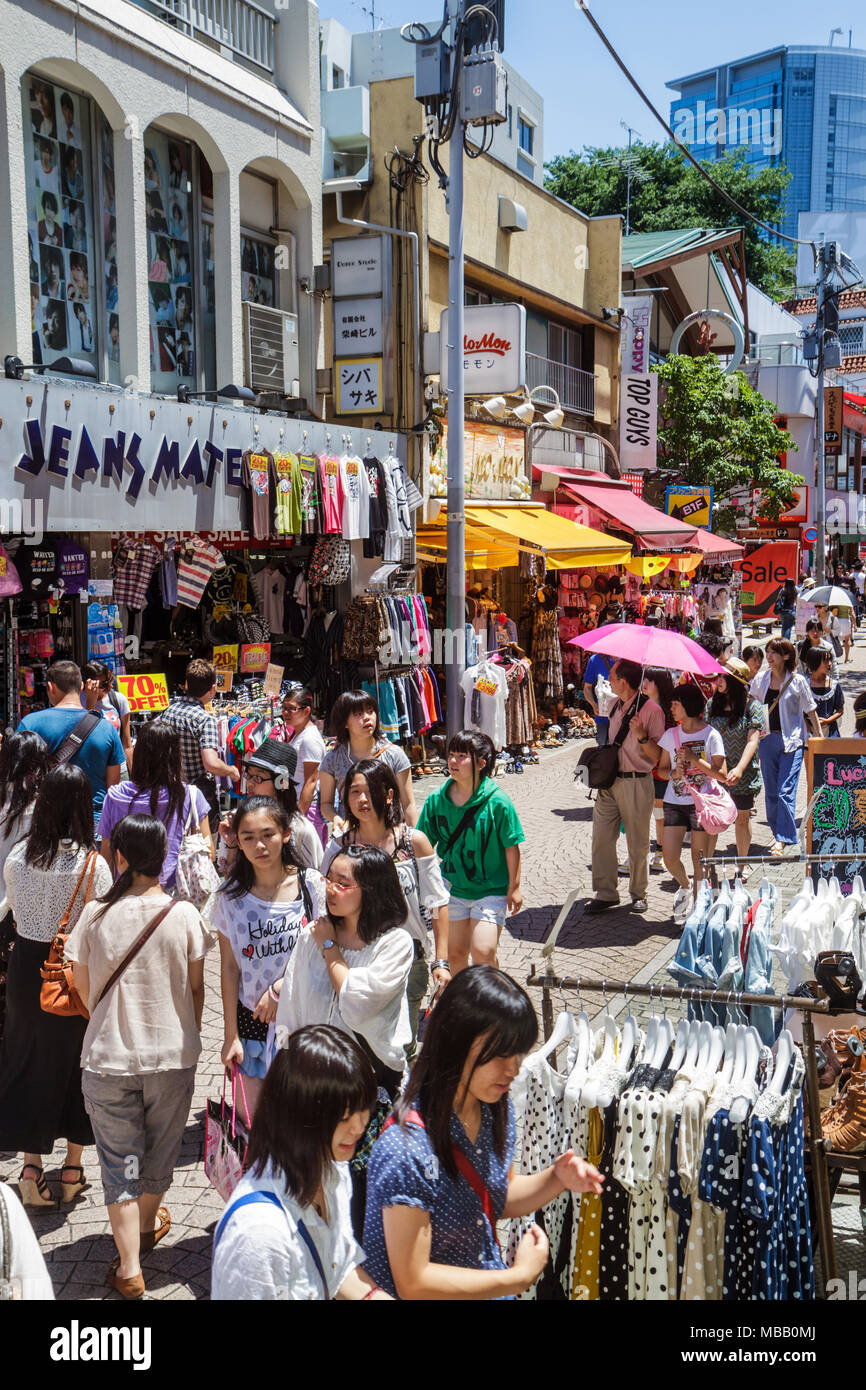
<point>58,994</point>
<point>226,1140</point>
<point>714,805</point>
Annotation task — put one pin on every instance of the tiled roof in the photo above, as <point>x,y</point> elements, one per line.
<point>848,299</point>
<point>857,363</point>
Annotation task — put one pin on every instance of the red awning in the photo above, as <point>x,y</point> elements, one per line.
<point>718,548</point>
<point>653,530</point>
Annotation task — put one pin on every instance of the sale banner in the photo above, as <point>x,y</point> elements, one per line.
<point>226,658</point>
<point>255,656</point>
<point>764,572</point>
<point>144,692</point>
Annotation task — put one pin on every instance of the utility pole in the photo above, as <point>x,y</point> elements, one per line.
<point>456,495</point>
<point>820,474</point>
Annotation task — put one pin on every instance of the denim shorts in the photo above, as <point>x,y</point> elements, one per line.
<point>138,1124</point>
<point>490,909</point>
<point>684,816</point>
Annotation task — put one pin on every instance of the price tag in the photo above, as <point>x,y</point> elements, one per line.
<point>226,658</point>
<point>274,679</point>
<point>224,682</point>
<point>485,685</point>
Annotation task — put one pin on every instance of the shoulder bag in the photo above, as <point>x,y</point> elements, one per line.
<point>58,994</point>
<point>714,804</point>
<point>597,767</point>
<point>768,709</point>
<point>195,878</point>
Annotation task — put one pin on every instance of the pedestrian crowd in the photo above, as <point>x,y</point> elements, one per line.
<point>366,1024</point>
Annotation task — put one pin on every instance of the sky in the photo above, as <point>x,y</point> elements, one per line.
<point>585,95</point>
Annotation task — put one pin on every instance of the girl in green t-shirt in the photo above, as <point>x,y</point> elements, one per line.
<point>476,831</point>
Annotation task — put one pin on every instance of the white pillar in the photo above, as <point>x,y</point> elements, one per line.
<point>133,257</point>
<point>227,279</point>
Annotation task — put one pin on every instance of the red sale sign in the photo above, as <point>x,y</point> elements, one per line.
<point>255,656</point>
<point>764,572</point>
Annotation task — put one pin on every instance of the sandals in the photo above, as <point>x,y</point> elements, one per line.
<point>35,1192</point>
<point>148,1239</point>
<point>70,1190</point>
<point>127,1288</point>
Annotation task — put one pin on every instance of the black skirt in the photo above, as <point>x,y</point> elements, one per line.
<point>40,1063</point>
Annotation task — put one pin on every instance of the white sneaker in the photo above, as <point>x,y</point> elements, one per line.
<point>683,904</point>
<point>656,861</point>
<point>623,868</point>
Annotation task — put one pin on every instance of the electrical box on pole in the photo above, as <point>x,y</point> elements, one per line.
<point>485,88</point>
<point>432,70</point>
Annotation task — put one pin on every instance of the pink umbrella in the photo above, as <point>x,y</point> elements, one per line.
<point>649,646</point>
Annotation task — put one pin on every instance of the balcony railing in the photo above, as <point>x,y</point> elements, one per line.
<point>575,388</point>
<point>240,26</point>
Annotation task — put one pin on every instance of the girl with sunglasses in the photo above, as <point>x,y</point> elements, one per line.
<point>260,914</point>
<point>269,771</point>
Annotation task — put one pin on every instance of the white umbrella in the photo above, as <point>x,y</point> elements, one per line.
<point>831,594</point>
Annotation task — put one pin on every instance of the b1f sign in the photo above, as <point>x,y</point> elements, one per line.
<point>494,349</point>
<point>638,422</point>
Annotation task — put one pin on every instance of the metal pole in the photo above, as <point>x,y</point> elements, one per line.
<point>818,1155</point>
<point>820,475</point>
<point>455,644</point>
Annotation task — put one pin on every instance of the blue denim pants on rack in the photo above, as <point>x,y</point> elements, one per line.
<point>781,774</point>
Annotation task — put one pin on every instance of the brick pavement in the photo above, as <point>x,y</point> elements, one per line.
<point>556,816</point>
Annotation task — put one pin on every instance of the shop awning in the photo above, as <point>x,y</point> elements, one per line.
<point>718,549</point>
<point>567,544</point>
<point>653,530</point>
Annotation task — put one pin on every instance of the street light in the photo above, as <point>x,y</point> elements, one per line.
<point>235,393</point>
<point>498,408</point>
<point>14,368</point>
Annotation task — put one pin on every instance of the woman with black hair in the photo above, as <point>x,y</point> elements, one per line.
<point>24,762</point>
<point>475,829</point>
<point>441,1175</point>
<point>157,788</point>
<point>740,721</point>
<point>816,637</point>
<point>374,817</point>
<point>260,912</point>
<point>299,728</point>
<point>355,724</point>
<point>138,961</point>
<point>49,874</point>
<point>286,1233</point>
<point>658,684</point>
<point>786,607</point>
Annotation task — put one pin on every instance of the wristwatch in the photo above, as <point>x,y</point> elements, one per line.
<point>644,740</point>
<point>326,945</point>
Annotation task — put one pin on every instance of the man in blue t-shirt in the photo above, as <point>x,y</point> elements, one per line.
<point>597,665</point>
<point>101,755</point>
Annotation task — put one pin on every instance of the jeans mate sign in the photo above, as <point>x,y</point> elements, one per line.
<point>103,460</point>
<point>638,421</point>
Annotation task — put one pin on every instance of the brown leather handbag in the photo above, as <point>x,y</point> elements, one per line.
<point>58,994</point>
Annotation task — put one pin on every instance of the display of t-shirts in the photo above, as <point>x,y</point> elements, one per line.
<point>259,478</point>
<point>332,495</point>
<point>197,562</point>
<point>289,497</point>
<point>705,744</point>
<point>72,567</point>
<point>485,692</point>
<point>311,495</point>
<point>133,569</point>
<point>37,570</point>
<point>269,586</point>
<point>263,934</point>
<point>356,499</point>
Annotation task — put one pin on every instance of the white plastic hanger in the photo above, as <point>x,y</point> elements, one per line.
<point>679,1051</point>
<point>744,1083</point>
<point>565,1027</point>
<point>715,1050</point>
<point>705,1042</point>
<point>730,1046</point>
<point>784,1057</point>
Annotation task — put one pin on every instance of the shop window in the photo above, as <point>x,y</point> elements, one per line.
<point>176,211</point>
<point>63,189</point>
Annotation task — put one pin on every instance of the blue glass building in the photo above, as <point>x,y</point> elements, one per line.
<point>798,106</point>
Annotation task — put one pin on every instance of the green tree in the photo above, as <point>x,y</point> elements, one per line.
<point>668,192</point>
<point>713,428</point>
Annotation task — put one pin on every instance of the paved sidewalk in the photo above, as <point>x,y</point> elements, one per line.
<point>556,816</point>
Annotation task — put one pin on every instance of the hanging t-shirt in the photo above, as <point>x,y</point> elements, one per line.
<point>132,572</point>
<point>270,591</point>
<point>485,692</point>
<point>706,744</point>
<point>263,935</point>
<point>311,498</point>
<point>376,484</point>
<point>195,567</point>
<point>289,495</point>
<point>72,567</point>
<point>332,495</point>
<point>257,473</point>
<point>37,569</point>
<point>356,507</point>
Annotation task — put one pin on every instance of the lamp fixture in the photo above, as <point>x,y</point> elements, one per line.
<point>555,417</point>
<point>14,368</point>
<point>232,392</point>
<point>525,412</point>
<point>497,406</point>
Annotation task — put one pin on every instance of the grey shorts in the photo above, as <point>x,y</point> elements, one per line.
<point>138,1124</point>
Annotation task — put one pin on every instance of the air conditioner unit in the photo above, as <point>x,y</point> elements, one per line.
<point>271,350</point>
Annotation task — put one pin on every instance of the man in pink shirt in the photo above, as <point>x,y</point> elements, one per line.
<point>630,799</point>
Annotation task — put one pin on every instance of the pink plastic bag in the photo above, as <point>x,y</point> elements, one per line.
<point>714,805</point>
<point>226,1140</point>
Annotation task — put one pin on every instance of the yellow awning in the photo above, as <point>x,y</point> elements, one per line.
<point>567,544</point>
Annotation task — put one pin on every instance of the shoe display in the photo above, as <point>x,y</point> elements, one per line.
<point>683,904</point>
<point>844,1126</point>
<point>596,905</point>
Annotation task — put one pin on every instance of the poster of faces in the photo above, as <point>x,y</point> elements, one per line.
<point>60,231</point>
<point>169,218</point>
<point>257,271</point>
<point>109,253</point>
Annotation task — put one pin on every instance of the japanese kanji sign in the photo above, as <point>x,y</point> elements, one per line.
<point>357,327</point>
<point>359,386</point>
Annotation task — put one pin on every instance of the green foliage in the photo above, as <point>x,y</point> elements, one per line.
<point>667,192</point>
<point>715,429</point>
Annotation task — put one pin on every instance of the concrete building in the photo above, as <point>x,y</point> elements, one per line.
<point>797,105</point>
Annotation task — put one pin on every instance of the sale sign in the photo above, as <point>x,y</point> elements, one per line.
<point>226,658</point>
<point>144,692</point>
<point>764,571</point>
<point>274,679</point>
<point>255,656</point>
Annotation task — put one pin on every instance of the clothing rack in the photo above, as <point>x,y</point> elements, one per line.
<point>815,1143</point>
